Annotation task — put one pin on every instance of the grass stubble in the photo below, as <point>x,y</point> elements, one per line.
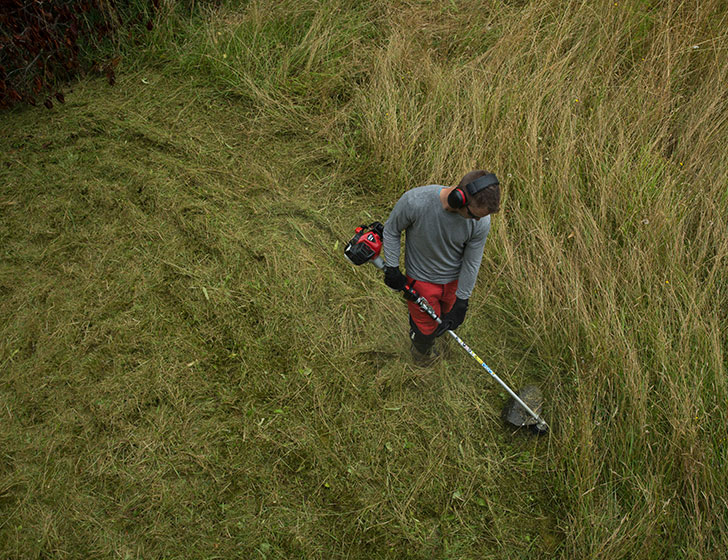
<point>190,369</point>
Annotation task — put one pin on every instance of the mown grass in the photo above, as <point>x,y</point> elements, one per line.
<point>191,370</point>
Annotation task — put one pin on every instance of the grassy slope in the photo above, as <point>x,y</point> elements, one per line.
<point>190,369</point>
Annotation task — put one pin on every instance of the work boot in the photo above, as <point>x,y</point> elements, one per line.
<point>424,359</point>
<point>423,347</point>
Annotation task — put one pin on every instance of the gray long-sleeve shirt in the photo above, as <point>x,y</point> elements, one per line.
<point>440,246</point>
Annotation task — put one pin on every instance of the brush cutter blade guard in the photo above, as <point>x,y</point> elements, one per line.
<point>516,415</point>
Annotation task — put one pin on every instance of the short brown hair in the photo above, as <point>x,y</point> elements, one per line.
<point>487,199</point>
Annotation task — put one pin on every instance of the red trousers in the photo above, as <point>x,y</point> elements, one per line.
<point>441,298</point>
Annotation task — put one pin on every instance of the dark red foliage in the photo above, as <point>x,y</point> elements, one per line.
<point>44,43</point>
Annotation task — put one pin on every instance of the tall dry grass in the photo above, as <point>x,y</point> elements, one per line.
<point>607,122</point>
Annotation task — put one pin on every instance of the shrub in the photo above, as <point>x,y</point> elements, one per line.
<point>44,44</point>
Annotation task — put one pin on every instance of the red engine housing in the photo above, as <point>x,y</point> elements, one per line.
<point>366,245</point>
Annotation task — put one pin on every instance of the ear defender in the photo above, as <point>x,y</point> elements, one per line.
<point>457,197</point>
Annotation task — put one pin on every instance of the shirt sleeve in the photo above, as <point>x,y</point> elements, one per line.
<point>472,257</point>
<point>398,221</point>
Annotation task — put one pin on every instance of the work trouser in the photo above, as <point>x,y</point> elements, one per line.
<point>441,298</point>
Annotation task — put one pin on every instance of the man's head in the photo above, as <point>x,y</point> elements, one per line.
<point>476,205</point>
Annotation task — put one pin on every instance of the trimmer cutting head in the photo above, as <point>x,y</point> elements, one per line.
<point>516,415</point>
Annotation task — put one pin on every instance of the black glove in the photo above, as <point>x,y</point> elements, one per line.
<point>410,294</point>
<point>394,278</point>
<point>453,318</point>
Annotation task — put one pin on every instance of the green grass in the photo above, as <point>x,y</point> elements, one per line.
<point>189,368</point>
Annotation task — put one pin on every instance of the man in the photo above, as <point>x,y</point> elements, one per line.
<point>445,232</point>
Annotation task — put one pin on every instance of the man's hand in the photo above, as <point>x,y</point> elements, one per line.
<point>453,318</point>
<point>394,278</point>
<point>409,293</point>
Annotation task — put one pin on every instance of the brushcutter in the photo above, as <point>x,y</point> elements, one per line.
<point>365,247</point>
